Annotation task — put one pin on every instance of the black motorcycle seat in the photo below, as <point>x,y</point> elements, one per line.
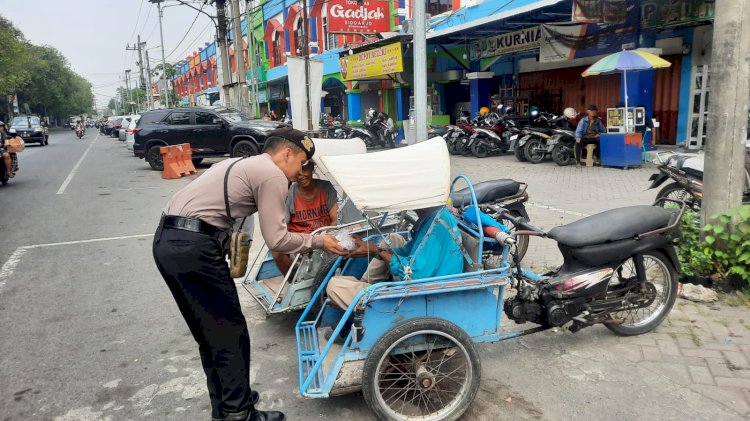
<point>612,225</point>
<point>486,191</point>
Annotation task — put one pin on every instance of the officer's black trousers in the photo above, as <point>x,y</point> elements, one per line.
<point>196,273</point>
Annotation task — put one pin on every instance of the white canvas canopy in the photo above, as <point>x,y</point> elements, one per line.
<point>414,177</point>
<point>332,147</point>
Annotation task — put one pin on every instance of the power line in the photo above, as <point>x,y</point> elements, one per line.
<point>186,33</point>
<point>190,45</point>
<point>135,27</point>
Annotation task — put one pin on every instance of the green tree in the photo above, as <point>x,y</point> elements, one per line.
<point>14,58</point>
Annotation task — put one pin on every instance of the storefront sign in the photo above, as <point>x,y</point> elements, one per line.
<point>601,11</point>
<point>656,13</point>
<point>369,17</point>
<point>511,42</point>
<point>572,41</point>
<point>277,92</point>
<point>378,62</point>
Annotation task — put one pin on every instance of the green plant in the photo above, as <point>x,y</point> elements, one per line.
<point>727,243</point>
<point>690,251</point>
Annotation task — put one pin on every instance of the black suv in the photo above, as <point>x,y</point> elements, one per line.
<point>31,128</point>
<point>210,131</point>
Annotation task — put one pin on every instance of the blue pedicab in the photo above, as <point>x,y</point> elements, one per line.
<point>278,292</point>
<point>410,344</point>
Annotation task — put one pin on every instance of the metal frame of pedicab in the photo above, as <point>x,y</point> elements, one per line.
<point>295,293</point>
<point>383,306</point>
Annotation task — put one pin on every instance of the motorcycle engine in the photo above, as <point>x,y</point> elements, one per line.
<point>561,311</point>
<point>524,307</point>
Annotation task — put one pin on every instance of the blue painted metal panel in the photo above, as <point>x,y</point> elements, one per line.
<point>211,49</point>
<point>686,80</point>
<point>481,10</point>
<point>277,73</point>
<point>331,64</point>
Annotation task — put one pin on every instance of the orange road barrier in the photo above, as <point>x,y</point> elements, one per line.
<point>173,168</point>
<point>187,158</point>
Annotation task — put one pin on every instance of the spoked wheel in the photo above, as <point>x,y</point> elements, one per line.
<point>424,369</point>
<point>522,241</point>
<point>518,152</point>
<point>647,306</point>
<point>535,150</point>
<point>562,155</point>
<point>675,191</point>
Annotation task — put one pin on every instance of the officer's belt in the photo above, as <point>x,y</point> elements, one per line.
<point>191,224</point>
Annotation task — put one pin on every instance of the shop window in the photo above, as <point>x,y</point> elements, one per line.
<point>278,50</point>
<point>299,38</point>
<point>436,7</point>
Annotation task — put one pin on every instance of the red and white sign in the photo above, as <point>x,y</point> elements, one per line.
<point>369,17</point>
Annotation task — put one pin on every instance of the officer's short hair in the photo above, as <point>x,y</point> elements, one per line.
<point>275,144</point>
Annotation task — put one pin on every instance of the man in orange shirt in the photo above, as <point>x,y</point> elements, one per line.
<point>311,204</point>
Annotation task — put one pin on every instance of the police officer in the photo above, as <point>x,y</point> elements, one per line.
<point>189,253</point>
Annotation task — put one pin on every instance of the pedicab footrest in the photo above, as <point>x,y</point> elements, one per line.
<point>309,354</point>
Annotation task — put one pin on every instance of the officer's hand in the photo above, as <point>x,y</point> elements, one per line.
<point>332,245</point>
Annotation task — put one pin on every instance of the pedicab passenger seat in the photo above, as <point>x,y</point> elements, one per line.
<point>486,191</point>
<point>613,225</point>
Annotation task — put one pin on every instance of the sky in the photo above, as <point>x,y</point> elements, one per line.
<point>93,34</point>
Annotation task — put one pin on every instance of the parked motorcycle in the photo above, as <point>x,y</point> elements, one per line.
<point>458,134</point>
<point>619,268</point>
<point>379,130</point>
<point>561,146</point>
<point>489,140</point>
<point>686,173</point>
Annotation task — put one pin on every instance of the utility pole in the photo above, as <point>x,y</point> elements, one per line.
<point>139,47</point>
<point>163,58</point>
<point>149,91</point>
<point>239,55</point>
<point>221,44</point>
<point>420,70</point>
<point>727,118</point>
<point>306,52</point>
<point>127,86</point>
<point>250,21</point>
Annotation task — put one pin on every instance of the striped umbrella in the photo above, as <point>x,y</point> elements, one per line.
<point>624,62</point>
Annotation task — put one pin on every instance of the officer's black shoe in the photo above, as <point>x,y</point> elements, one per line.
<point>244,415</point>
<point>266,416</point>
<point>254,398</point>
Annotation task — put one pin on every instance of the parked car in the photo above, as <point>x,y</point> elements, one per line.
<point>116,126</point>
<point>110,123</point>
<point>130,132</point>
<point>30,128</point>
<point>124,124</point>
<point>210,131</point>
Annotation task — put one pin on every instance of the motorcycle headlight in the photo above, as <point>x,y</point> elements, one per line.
<point>11,130</point>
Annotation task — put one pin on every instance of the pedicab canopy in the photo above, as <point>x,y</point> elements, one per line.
<point>413,177</point>
<point>330,147</point>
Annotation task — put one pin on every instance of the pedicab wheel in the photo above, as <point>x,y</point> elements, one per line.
<point>325,267</point>
<point>651,304</point>
<point>424,369</point>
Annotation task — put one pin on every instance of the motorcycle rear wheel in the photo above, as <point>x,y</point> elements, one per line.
<point>535,151</point>
<point>662,294</point>
<point>518,152</point>
<point>480,149</point>
<point>676,191</point>
<point>562,155</point>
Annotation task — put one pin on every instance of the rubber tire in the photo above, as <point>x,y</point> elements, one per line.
<point>671,187</point>
<point>244,144</point>
<point>480,149</point>
<point>632,331</point>
<point>369,374</point>
<point>518,153</point>
<point>197,161</point>
<point>328,262</point>
<point>453,146</point>
<point>522,241</point>
<point>154,158</point>
<point>557,156</point>
<point>534,143</point>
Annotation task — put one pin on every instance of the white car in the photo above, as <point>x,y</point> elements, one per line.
<point>130,131</point>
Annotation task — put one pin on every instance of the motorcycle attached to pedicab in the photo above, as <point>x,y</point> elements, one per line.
<point>410,345</point>
<point>279,293</point>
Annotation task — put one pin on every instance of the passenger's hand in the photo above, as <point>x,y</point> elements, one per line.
<point>363,248</point>
<point>332,245</point>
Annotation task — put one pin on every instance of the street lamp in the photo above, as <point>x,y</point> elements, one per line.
<point>163,58</point>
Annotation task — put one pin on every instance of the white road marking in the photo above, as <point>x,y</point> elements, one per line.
<point>10,265</point>
<point>75,168</point>
<point>554,209</point>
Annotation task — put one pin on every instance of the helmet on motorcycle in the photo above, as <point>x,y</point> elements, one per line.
<point>371,113</point>
<point>483,111</point>
<point>570,113</point>
<point>508,110</point>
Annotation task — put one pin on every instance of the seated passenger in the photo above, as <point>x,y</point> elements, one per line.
<point>311,204</point>
<point>440,255</point>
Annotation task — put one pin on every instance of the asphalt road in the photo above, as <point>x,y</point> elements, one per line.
<point>88,330</point>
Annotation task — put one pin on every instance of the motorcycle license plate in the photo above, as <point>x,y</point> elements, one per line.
<point>513,137</point>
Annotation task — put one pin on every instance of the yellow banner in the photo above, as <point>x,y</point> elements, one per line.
<point>369,64</point>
